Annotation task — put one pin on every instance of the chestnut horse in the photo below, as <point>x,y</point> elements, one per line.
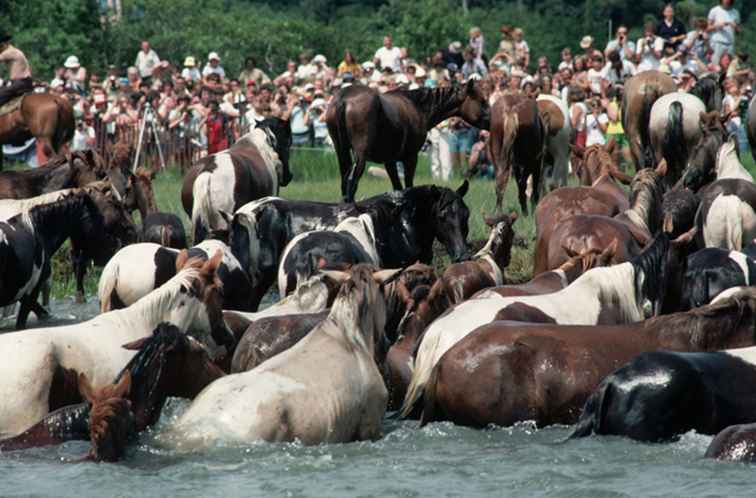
<point>47,117</point>
<point>518,143</point>
<point>387,128</point>
<point>641,92</point>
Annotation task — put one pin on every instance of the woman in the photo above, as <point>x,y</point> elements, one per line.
<point>670,28</point>
<point>547,87</point>
<point>522,50</point>
<point>614,130</point>
<point>596,123</point>
<point>735,108</point>
<point>578,112</point>
<point>649,49</point>
<point>349,65</point>
<point>477,42</point>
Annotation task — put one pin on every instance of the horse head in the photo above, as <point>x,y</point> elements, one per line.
<point>679,206</point>
<point>111,421</point>
<point>702,162</point>
<point>499,244</point>
<point>140,192</point>
<point>474,107</point>
<point>709,88</point>
<point>117,228</point>
<point>450,220</point>
<point>279,137</point>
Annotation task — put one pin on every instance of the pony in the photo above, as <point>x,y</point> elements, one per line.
<point>366,125</point>
<point>554,112</point>
<point>33,366</point>
<point>726,217</point>
<point>257,165</point>
<point>713,270</point>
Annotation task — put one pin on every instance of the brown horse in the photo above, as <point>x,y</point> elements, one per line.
<point>506,372</point>
<point>641,91</point>
<point>517,143</point>
<point>387,128</point>
<point>47,117</point>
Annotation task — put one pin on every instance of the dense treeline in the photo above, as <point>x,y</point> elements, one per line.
<point>273,31</point>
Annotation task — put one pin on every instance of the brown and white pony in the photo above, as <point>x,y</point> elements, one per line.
<point>557,160</point>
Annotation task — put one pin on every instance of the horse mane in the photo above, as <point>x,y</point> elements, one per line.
<point>706,87</point>
<point>650,270</point>
<point>264,140</point>
<point>31,216</point>
<point>434,103</point>
<point>646,194</point>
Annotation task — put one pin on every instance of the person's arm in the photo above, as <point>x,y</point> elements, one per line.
<point>603,123</point>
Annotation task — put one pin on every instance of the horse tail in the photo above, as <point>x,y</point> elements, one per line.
<point>673,145</point>
<point>202,208</point>
<point>64,128</point>
<point>341,140</point>
<point>107,285</point>
<point>431,411</point>
<point>647,151</point>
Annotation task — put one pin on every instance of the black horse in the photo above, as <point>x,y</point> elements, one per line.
<point>708,88</point>
<point>391,127</point>
<point>406,224</point>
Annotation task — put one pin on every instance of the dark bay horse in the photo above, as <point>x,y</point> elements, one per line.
<point>386,128</point>
<point>518,143</point>
<point>47,117</point>
<point>641,91</point>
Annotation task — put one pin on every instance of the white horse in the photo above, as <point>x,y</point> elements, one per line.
<point>557,144</point>
<point>608,296</point>
<point>325,389</point>
<point>35,364</point>
<point>728,164</point>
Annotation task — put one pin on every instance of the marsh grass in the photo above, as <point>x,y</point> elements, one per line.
<point>316,177</point>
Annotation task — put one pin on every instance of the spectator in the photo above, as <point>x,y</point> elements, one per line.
<point>614,130</point>
<point>649,49</point>
<point>252,73</point>
<point>595,74</point>
<point>547,87</point>
<point>543,66</point>
<point>213,67</point>
<point>477,43</point>
<point>216,127</point>
<point>84,134</point>
<point>739,69</point>
<point>507,43</point>
<point>146,61</point>
<point>522,50</point>
<point>670,61</point>
<point>578,113</point>
<point>479,161</point>
<point>348,65</point>
<point>316,116</point>
<point>472,64</point>
<point>190,71</point>
<point>123,114</point>
<point>596,123</point>
<point>724,22</point>
<point>60,78</point>
<point>670,29</point>
<point>287,77</point>
<point>306,69</point>
<point>132,74</point>
<point>688,80</point>
<point>75,75</point>
<point>621,44</point>
<point>388,56</point>
<point>616,70</point>
<point>453,54</point>
<point>321,69</point>
<point>300,129</point>
<point>439,152</point>
<point>735,109</point>
<point>696,43</point>
<point>566,59</point>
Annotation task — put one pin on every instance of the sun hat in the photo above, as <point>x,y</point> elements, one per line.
<point>190,62</point>
<point>368,66</point>
<point>320,58</point>
<point>213,56</point>
<point>586,42</point>
<point>72,62</point>
<point>419,72</point>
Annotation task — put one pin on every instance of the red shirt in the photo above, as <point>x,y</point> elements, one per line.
<point>217,138</point>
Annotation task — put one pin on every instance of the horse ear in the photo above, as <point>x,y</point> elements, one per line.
<point>661,168</point>
<point>569,251</point>
<point>212,264</point>
<point>123,387</point>
<point>685,239</point>
<point>462,190</point>
<point>226,217</point>
<point>85,388</point>
<point>383,277</point>
<point>181,259</point>
<point>513,217</point>
<point>135,345</point>
<point>336,275</point>
<point>470,88</point>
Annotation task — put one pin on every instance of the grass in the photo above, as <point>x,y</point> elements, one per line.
<point>316,177</point>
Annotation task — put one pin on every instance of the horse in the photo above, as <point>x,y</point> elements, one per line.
<point>557,160</point>
<point>325,389</point>
<point>736,443</point>
<point>708,89</point>
<point>351,242</point>
<point>406,224</point>
<point>751,126</point>
<point>167,363</point>
<point>507,372</point>
<point>46,117</point>
<point>366,125</point>
<point>659,396</point>
<point>426,303</point>
<point>165,229</point>
<point>33,380</point>
<point>641,92</point>
<point>518,143</point>
<point>713,270</point>
<point>728,163</point>
<point>726,217</point>
<point>674,129</point>
<point>257,165</point>
<point>138,269</point>
<point>601,296</point>
<point>679,207</point>
<point>702,163</point>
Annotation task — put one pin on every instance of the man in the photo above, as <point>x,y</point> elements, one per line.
<point>388,56</point>
<point>252,73</point>
<point>724,22</point>
<point>624,47</point>
<point>146,61</point>
<point>19,72</point>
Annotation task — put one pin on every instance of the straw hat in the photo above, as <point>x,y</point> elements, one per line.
<point>190,62</point>
<point>72,62</point>
<point>213,56</point>
<point>586,42</point>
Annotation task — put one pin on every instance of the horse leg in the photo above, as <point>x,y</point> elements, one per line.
<point>354,177</point>
<point>538,186</point>
<point>522,186</point>
<point>345,166</point>
<point>410,164</point>
<point>502,179</point>
<point>80,270</point>
<point>393,174</point>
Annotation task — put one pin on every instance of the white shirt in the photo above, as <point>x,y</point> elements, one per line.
<point>583,111</point>
<point>191,74</point>
<point>145,63</point>
<point>609,74</point>
<point>614,46</point>
<point>594,134</point>
<point>389,57</point>
<point>208,69</point>
<point>80,138</point>
<point>305,71</point>
<point>648,57</point>
<point>594,80</point>
<point>725,35</point>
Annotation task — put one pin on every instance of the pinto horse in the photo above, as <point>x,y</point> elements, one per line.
<point>49,118</point>
<point>518,140</point>
<point>386,128</point>
<point>641,92</point>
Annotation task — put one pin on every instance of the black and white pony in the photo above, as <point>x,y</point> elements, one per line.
<point>406,223</point>
<point>29,240</point>
<point>351,242</point>
<point>713,270</point>
<point>165,229</point>
<point>138,269</point>
<point>726,217</point>
<point>219,184</point>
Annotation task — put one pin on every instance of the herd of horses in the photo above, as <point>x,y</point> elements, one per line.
<point>639,319</point>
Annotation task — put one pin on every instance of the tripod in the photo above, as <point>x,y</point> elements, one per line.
<point>148,120</point>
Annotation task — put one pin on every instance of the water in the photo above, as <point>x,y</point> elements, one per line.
<point>438,460</point>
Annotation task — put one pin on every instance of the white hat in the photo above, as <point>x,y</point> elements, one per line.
<point>586,42</point>
<point>526,80</point>
<point>368,65</point>
<point>320,58</point>
<point>213,55</point>
<point>189,62</point>
<point>420,72</point>
<point>72,62</point>
<point>319,102</point>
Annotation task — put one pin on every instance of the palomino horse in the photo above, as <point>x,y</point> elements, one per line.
<point>386,128</point>
<point>601,296</point>
<point>496,374</point>
<point>256,166</point>
<point>674,129</point>
<point>47,117</point>
<point>557,160</point>
<point>641,91</point>
<point>33,378</point>
<point>752,126</point>
<point>518,143</point>
<point>325,389</point>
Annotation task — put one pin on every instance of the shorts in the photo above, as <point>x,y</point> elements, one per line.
<point>462,140</point>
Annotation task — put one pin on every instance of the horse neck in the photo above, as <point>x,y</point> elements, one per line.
<point>703,329</point>
<point>155,307</point>
<point>54,223</point>
<point>643,210</point>
<point>435,112</point>
<point>345,317</point>
<point>612,285</point>
<point>727,162</point>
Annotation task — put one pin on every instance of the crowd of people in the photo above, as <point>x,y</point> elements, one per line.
<point>208,106</point>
